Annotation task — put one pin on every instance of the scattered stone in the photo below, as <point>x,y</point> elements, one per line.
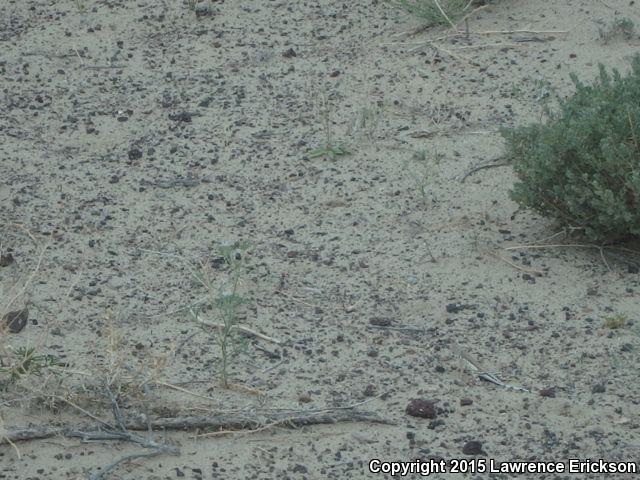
<point>455,307</point>
<point>465,402</point>
<point>300,469</point>
<point>217,263</point>
<point>203,11</point>
<point>289,53</point>
<point>421,408</point>
<point>134,153</point>
<point>181,117</point>
<point>548,392</point>
<point>473,447</point>
<point>17,320</point>
<point>370,390</point>
<point>304,398</point>
<point>599,388</point>
<point>380,321</point>
<point>205,102</point>
<point>435,423</point>
<point>6,260</point>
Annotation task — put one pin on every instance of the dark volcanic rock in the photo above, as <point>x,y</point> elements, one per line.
<point>421,408</point>
<point>473,447</point>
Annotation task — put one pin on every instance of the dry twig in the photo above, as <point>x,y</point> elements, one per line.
<point>242,328</point>
<point>214,422</point>
<point>532,271</point>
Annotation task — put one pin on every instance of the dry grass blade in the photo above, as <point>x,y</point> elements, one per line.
<point>510,32</point>
<point>557,245</point>
<point>444,14</point>
<point>242,328</point>
<point>532,271</point>
<point>13,297</point>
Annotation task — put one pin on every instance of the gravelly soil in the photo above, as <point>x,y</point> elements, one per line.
<point>137,137</point>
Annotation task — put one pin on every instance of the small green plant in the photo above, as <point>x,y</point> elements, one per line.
<point>367,121</point>
<point>435,12</point>
<point>543,91</point>
<point>235,257</point>
<point>24,362</point>
<point>617,321</point>
<point>583,166</point>
<point>227,301</point>
<point>420,155</point>
<point>230,342</point>
<point>328,149</point>
<point>516,91</point>
<point>424,171</point>
<point>620,28</point>
<point>79,5</point>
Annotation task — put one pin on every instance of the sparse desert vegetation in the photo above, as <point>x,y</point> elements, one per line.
<point>281,239</point>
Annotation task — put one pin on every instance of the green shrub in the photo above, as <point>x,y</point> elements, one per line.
<point>621,27</point>
<point>583,166</point>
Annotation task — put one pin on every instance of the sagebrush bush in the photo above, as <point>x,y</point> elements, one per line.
<point>583,166</point>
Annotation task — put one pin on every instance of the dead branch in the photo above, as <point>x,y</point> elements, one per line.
<point>532,271</point>
<point>510,32</point>
<point>189,423</point>
<point>132,456</point>
<point>487,45</point>
<point>122,433</point>
<point>103,67</point>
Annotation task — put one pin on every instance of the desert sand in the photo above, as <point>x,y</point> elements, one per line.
<point>136,138</point>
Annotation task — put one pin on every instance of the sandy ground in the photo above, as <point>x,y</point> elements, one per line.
<point>137,137</point>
